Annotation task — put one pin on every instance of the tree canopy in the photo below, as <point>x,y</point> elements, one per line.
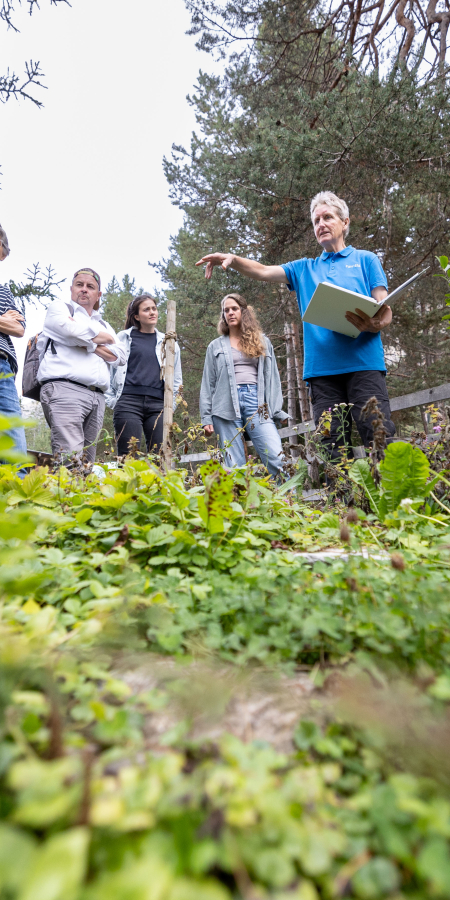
<point>333,38</point>
<point>267,142</point>
<point>22,86</point>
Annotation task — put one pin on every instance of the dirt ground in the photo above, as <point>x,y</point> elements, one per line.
<point>202,701</point>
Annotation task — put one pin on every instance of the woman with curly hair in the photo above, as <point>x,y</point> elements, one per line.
<point>241,387</point>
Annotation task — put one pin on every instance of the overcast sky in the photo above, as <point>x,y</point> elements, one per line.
<point>81,179</point>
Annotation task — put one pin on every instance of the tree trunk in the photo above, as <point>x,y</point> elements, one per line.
<point>168,365</point>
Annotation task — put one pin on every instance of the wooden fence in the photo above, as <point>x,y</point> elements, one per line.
<point>407,401</point>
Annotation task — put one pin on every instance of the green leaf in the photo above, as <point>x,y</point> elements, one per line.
<point>360,473</point>
<point>433,864</point>
<point>404,473</point>
<point>181,497</point>
<point>59,867</point>
<point>162,534</point>
<point>441,688</point>
<point>297,481</point>
<point>148,879</point>
<point>305,890</point>
<point>306,734</point>
<point>83,516</point>
<point>188,889</point>
<point>328,520</point>
<point>376,879</point>
<point>46,789</point>
<point>16,853</point>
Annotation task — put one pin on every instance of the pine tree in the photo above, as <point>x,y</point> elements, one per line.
<point>116,299</point>
<point>266,146</point>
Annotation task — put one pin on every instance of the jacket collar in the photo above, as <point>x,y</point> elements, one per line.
<point>345,252</point>
<point>159,334</point>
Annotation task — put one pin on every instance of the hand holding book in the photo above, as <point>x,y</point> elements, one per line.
<point>329,308</point>
<point>373,324</point>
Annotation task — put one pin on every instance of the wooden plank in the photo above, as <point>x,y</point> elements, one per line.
<point>301,428</point>
<point>429,395</point>
<point>407,401</point>
<point>194,457</point>
<point>290,374</point>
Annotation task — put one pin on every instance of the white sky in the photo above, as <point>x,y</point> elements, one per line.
<point>81,179</point>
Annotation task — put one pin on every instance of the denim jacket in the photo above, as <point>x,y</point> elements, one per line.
<point>219,394</point>
<point>119,375</point>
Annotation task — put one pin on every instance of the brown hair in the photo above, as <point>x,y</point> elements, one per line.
<point>133,310</point>
<point>252,338</point>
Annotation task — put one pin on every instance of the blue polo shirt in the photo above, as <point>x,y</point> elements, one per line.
<point>328,352</point>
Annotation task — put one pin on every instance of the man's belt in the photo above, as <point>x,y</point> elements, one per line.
<point>78,384</point>
<point>4,356</point>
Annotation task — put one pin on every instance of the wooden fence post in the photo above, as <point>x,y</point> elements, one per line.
<point>301,385</point>
<point>290,371</point>
<point>169,366</point>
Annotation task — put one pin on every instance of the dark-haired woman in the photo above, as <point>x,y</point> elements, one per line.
<point>137,392</point>
<point>241,387</point>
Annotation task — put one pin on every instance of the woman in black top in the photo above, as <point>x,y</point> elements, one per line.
<point>137,392</point>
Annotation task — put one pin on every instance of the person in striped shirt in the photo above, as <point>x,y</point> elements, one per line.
<point>12,324</point>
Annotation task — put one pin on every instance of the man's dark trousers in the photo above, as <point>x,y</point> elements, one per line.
<point>354,388</point>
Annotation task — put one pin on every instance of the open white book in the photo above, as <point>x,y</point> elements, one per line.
<point>329,304</point>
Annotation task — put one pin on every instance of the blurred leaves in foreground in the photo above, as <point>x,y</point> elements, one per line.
<point>130,624</point>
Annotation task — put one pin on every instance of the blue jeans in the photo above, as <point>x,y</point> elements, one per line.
<point>10,404</point>
<point>264,435</point>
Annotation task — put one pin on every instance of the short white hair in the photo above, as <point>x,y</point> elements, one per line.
<point>327,198</point>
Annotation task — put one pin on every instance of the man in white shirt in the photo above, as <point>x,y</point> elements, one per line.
<point>76,348</point>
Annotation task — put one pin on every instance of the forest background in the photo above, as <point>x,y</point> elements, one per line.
<point>351,98</point>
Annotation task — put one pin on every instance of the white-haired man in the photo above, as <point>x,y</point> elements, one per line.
<point>76,347</point>
<point>339,369</point>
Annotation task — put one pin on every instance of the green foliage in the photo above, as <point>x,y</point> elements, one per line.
<point>445,274</point>
<point>268,138</point>
<point>101,575</point>
<point>404,475</point>
<point>116,299</point>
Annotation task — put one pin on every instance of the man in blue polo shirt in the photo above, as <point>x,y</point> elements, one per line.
<point>339,369</point>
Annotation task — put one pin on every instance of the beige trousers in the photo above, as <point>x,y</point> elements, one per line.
<point>75,416</point>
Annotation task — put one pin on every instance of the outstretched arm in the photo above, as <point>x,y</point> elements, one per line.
<point>248,267</point>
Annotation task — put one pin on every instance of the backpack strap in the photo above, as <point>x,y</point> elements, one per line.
<point>50,343</point>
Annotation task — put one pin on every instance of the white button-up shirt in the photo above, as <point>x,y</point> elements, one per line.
<point>71,330</point>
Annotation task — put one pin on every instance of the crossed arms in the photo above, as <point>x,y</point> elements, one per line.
<point>11,322</point>
<point>276,274</point>
<point>82,332</point>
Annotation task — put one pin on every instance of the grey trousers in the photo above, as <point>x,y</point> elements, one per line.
<point>75,416</point>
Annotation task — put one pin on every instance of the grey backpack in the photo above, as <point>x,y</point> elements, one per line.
<point>30,385</point>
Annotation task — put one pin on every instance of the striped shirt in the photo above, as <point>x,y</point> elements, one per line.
<point>6,344</point>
